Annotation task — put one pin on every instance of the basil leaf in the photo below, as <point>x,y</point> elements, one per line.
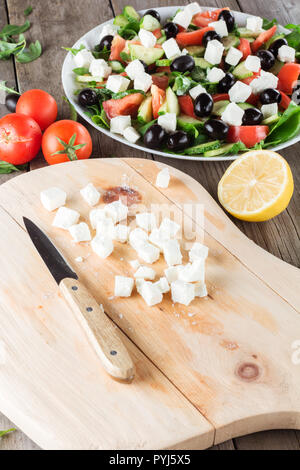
<point>125,57</point>
<point>103,54</point>
<point>267,24</point>
<point>28,11</point>
<point>30,54</point>
<point>122,94</point>
<point>182,85</point>
<point>13,30</point>
<point>73,50</point>
<point>287,127</point>
<point>81,71</point>
<point>8,90</point>
<point>9,48</point>
<point>6,168</point>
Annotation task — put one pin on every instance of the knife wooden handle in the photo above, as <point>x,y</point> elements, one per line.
<point>101,332</point>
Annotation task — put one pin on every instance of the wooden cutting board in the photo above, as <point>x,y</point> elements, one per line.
<point>220,368</point>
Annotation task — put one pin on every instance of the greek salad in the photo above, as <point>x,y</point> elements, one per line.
<point>198,84</point>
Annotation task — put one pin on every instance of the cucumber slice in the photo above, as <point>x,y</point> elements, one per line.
<point>145,111</point>
<point>230,41</point>
<point>116,66</point>
<point>189,124</point>
<point>162,39</point>
<point>220,107</point>
<point>202,148</point>
<point>270,120</point>
<point>88,79</point>
<point>163,109</point>
<point>202,63</point>
<point>121,21</point>
<point>219,151</point>
<point>245,105</point>
<point>274,38</point>
<point>130,13</point>
<point>149,23</point>
<point>247,33</point>
<point>163,62</point>
<point>172,102</point>
<point>196,51</point>
<point>148,54</point>
<point>276,67</point>
<point>241,71</point>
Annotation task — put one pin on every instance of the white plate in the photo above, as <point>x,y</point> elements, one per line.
<point>91,39</point>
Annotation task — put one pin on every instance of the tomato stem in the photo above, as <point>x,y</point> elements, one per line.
<point>69,148</point>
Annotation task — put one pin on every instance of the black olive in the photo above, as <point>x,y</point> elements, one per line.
<point>11,102</point>
<point>209,36</point>
<point>217,130</point>
<point>171,30</point>
<point>296,94</point>
<point>155,137</point>
<point>153,13</point>
<point>226,83</point>
<point>228,17</point>
<point>149,68</point>
<point>179,140</point>
<point>88,97</point>
<point>270,95</point>
<point>203,105</point>
<point>267,59</point>
<point>184,63</point>
<point>276,45</point>
<point>105,42</point>
<point>252,117</point>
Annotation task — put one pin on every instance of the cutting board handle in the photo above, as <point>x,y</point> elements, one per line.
<point>101,332</point>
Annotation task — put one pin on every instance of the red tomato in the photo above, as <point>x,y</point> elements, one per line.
<point>288,75</point>
<point>39,105</point>
<point>126,106</point>
<point>248,80</point>
<point>118,45</point>
<point>203,19</point>
<point>263,38</point>
<point>193,38</point>
<point>20,138</point>
<point>187,106</point>
<point>220,97</point>
<point>253,99</point>
<point>285,101</point>
<point>163,69</point>
<point>158,97</point>
<point>244,47</point>
<point>162,81</point>
<point>249,135</point>
<point>157,33</point>
<point>65,130</point>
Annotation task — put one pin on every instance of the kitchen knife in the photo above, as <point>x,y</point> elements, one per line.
<point>100,331</point>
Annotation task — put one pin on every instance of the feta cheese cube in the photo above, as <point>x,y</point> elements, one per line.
<point>118,124</point>
<point>239,92</point>
<point>102,246</point>
<point>168,229</point>
<point>53,198</point>
<point>65,218</point>
<point>80,232</point>
<point>220,27</point>
<point>172,273</point>
<point>108,30</point>
<point>171,48</point>
<point>123,286</point>
<point>147,38</point>
<point>286,54</point>
<point>131,135</point>
<point>193,272</point>
<point>146,273</point>
<point>151,294</point>
<point>95,216</point>
<point>182,292</point>
<point>172,252</point>
<point>215,74</point>
<point>253,63</point>
<point>163,178</point>
<point>83,58</point>
<point>168,122</point>
<point>200,289</point>
<point>233,115</point>
<point>139,283</point>
<point>117,83</point>
<point>143,82</point>
<point>121,233</point>
<point>117,211</point>
<point>193,8</point>
<point>196,91</point>
<point>137,237</point>
<point>106,228</point>
<point>214,52</point>
<point>183,18</point>
<point>269,110</point>
<point>156,239</point>
<point>266,80</point>
<point>90,194</point>
<point>146,221</point>
<point>135,264</point>
<point>233,56</point>
<point>254,23</point>
<point>134,69</point>
<point>163,285</point>
<point>100,68</point>
<point>148,253</point>
<point>198,251</point>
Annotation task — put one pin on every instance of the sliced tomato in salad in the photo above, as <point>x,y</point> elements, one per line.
<point>117,46</point>
<point>285,101</point>
<point>157,33</point>
<point>288,77</point>
<point>163,69</point>
<point>263,38</point>
<point>194,38</point>
<point>249,135</point>
<point>187,106</point>
<point>161,81</point>
<point>245,48</point>
<point>127,106</point>
<point>158,98</point>
<point>203,19</point>
<point>220,97</point>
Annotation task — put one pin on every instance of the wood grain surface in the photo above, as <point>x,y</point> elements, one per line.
<point>59,23</point>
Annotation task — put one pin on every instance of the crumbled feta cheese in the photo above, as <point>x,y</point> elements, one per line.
<point>163,285</point>
<point>220,27</point>
<point>134,69</point>
<point>269,110</point>
<point>121,233</point>
<point>150,293</point>
<point>286,54</point>
<point>117,211</point>
<point>182,292</point>
<point>105,227</point>
<point>83,59</point>
<point>79,259</point>
<point>171,48</point>
<point>183,18</point>
<point>172,253</point>
<point>147,38</point>
<point>135,264</point>
<point>117,83</point>
<point>96,215</point>
<point>148,253</point>
<point>172,273</point>
<point>146,221</point>
<point>198,251</point>
<point>156,239</point>
<point>108,30</point>
<point>90,194</point>
<point>146,273</point>
<point>53,198</point>
<point>168,122</point>
<point>239,92</point>
<point>123,286</point>
<point>193,8</point>
<point>118,124</point>
<point>253,63</point>
<point>233,115</point>
<point>163,178</point>
<point>168,229</point>
<point>214,52</point>
<point>80,232</point>
<point>200,289</point>
<point>254,23</point>
<point>143,82</point>
<point>102,246</point>
<point>139,282</point>
<point>196,91</point>
<point>137,237</point>
<point>100,68</point>
<point>233,56</point>
<point>65,218</point>
<point>131,135</point>
<point>215,74</point>
<point>193,272</point>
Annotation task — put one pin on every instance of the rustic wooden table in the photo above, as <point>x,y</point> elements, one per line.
<point>59,23</point>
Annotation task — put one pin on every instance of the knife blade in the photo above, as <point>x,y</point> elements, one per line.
<point>100,331</point>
